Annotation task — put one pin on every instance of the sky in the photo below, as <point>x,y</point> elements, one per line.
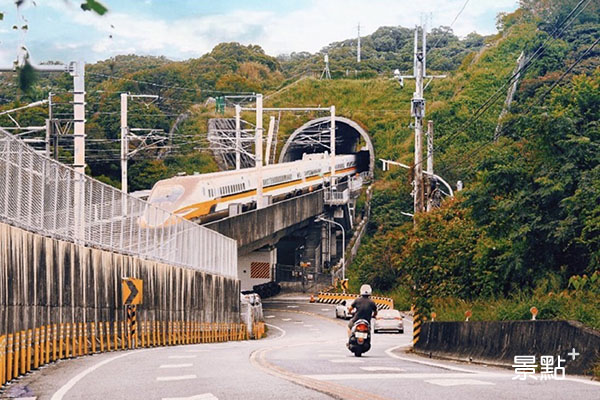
<point>59,30</point>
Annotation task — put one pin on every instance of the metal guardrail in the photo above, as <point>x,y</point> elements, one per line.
<point>356,183</point>
<point>44,196</point>
<point>337,197</point>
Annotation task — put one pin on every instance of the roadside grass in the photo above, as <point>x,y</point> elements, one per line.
<point>582,306</point>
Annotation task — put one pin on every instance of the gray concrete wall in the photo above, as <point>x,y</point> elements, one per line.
<point>44,281</point>
<point>500,341</point>
<point>257,228</point>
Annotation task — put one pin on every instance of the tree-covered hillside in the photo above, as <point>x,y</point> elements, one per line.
<point>387,49</point>
<point>528,221</point>
<point>183,88</point>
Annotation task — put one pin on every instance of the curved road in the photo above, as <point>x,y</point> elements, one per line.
<point>304,357</point>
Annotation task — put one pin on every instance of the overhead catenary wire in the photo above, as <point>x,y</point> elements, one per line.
<point>166,86</point>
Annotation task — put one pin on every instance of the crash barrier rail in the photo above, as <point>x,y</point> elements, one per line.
<point>24,351</point>
<point>41,195</point>
<point>383,303</point>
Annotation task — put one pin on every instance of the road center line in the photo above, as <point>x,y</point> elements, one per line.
<point>175,378</point>
<point>58,395</point>
<point>176,365</point>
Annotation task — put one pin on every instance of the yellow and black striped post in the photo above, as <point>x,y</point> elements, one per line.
<point>132,326</point>
<point>417,321</point>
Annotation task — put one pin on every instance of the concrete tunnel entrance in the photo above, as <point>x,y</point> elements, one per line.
<point>313,137</point>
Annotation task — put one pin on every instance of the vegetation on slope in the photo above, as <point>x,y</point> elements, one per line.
<point>530,211</point>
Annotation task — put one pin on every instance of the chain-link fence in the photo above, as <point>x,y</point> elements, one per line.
<point>41,195</point>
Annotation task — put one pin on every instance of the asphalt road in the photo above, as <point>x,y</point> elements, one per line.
<point>304,357</point>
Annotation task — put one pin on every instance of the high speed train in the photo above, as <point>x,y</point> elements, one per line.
<point>198,197</point>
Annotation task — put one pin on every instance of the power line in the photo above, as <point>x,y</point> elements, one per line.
<point>539,102</point>
<point>451,25</point>
<point>165,86</point>
<point>539,51</point>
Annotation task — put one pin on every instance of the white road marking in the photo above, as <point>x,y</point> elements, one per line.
<point>325,309</point>
<point>286,319</point>
<point>181,357</point>
<point>175,378</point>
<point>314,330</point>
<point>292,306</point>
<point>446,375</point>
<point>374,369</point>
<point>67,386</point>
<point>457,382</point>
<point>197,351</point>
<point>346,360</point>
<point>390,352</point>
<point>298,322</point>
<point>205,396</point>
<point>176,365</point>
<point>25,398</point>
<point>269,316</point>
<point>308,325</point>
<point>279,329</point>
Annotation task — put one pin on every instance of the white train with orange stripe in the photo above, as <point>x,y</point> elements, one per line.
<point>204,197</point>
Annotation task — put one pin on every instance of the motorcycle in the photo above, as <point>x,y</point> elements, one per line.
<point>360,337</point>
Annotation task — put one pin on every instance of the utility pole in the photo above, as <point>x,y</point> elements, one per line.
<point>125,135</point>
<point>358,45</point>
<point>269,140</point>
<point>238,133</point>
<point>79,116</point>
<point>326,73</point>
<point>124,142</point>
<point>258,151</point>
<point>429,160</point>
<point>49,125</point>
<point>332,145</point>
<point>418,112</point>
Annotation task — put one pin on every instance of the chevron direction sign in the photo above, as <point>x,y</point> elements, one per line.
<point>132,290</point>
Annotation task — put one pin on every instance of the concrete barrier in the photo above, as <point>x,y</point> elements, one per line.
<point>61,300</point>
<point>49,281</point>
<point>501,341</point>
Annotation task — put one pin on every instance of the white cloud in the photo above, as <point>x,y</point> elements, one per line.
<point>305,29</point>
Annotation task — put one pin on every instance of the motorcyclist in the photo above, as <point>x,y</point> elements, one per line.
<point>364,306</point>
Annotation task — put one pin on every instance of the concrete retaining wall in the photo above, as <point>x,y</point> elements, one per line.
<point>45,281</point>
<point>500,341</point>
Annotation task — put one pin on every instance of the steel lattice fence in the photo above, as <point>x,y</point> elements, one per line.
<point>41,195</point>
